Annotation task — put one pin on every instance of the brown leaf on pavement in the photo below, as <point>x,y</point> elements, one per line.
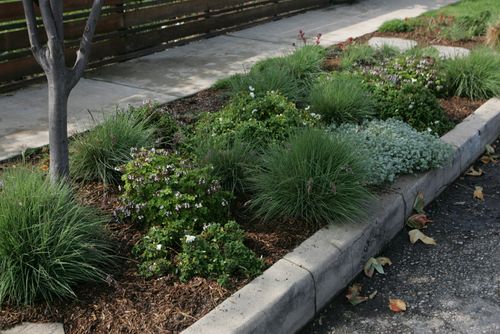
<point>397,305</point>
<point>418,221</point>
<point>474,172</point>
<point>416,235</point>
<point>478,193</point>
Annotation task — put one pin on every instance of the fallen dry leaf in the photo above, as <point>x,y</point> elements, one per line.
<point>489,149</point>
<point>478,193</point>
<point>397,305</point>
<point>474,172</point>
<point>353,296</point>
<point>373,294</point>
<point>416,235</point>
<point>418,221</point>
<point>486,159</point>
<point>419,204</point>
<point>376,264</point>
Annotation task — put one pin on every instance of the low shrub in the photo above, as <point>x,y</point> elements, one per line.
<point>341,98</point>
<point>96,154</point>
<point>258,120</point>
<point>408,70</point>
<point>314,178</point>
<point>48,242</point>
<point>164,123</point>
<point>397,25</point>
<point>161,187</point>
<point>476,76</point>
<point>218,252</point>
<point>411,103</point>
<point>394,148</point>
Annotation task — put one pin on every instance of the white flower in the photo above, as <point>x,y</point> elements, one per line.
<point>158,247</point>
<point>205,226</point>
<point>254,111</point>
<point>307,108</point>
<point>250,88</point>
<point>252,95</point>
<point>190,238</point>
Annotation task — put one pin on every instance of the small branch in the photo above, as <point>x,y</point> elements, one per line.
<point>82,55</point>
<point>57,12</point>
<point>36,46</point>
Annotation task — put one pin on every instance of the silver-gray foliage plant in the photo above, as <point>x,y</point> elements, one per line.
<point>393,148</point>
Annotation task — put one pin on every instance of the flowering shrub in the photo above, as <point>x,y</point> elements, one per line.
<point>395,148</point>
<point>253,119</point>
<point>408,69</point>
<point>218,252</point>
<point>179,201</point>
<point>412,103</point>
<point>161,187</point>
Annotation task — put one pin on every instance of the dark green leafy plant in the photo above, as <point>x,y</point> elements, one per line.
<point>258,120</point>
<point>96,154</point>
<point>476,76</point>
<point>341,98</point>
<point>314,178</point>
<point>218,252</point>
<point>411,103</point>
<point>48,242</point>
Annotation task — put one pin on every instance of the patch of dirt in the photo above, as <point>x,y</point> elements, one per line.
<point>187,110</point>
<point>457,108</point>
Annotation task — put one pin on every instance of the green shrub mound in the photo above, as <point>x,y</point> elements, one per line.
<point>97,154</point>
<point>314,178</point>
<point>409,69</point>
<point>259,120</point>
<point>394,148</point>
<point>411,103</point>
<point>341,98</point>
<point>48,242</point>
<point>161,187</point>
<point>289,75</point>
<point>476,76</point>
<point>218,252</point>
<point>397,25</point>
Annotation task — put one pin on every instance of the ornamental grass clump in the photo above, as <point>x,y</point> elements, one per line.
<point>393,148</point>
<point>341,98</point>
<point>97,154</point>
<point>397,25</point>
<point>289,75</point>
<point>49,243</point>
<point>313,178</point>
<point>476,76</point>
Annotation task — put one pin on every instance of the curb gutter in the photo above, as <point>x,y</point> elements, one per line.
<point>288,294</point>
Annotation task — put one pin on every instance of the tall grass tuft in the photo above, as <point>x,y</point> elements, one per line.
<point>97,154</point>
<point>341,98</point>
<point>314,178</point>
<point>476,76</point>
<point>48,242</point>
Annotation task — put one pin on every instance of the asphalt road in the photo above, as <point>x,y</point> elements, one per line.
<point>452,287</point>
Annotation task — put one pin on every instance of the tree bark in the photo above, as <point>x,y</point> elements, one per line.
<point>60,78</point>
<point>58,129</point>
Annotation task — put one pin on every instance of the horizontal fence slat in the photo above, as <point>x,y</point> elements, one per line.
<point>137,28</point>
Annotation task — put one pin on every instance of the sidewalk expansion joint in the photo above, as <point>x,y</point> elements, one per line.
<point>313,280</point>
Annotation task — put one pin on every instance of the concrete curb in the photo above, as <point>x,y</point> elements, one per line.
<point>287,295</point>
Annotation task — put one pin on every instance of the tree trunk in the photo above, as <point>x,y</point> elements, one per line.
<point>58,129</point>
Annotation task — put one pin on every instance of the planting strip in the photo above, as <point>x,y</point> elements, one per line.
<point>288,294</point>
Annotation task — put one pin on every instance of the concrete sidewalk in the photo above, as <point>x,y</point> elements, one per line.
<point>185,70</point>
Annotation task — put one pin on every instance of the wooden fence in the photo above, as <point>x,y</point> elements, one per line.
<point>131,28</point>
